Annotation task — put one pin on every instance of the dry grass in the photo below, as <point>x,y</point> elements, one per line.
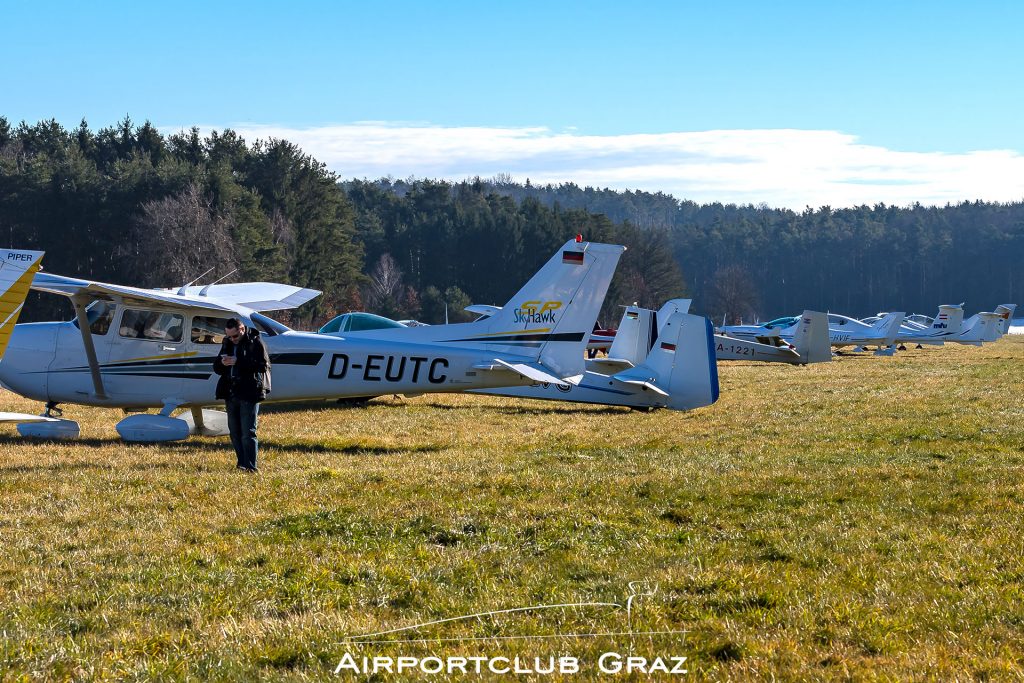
<point>857,519</point>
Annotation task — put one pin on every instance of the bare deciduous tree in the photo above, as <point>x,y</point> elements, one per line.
<point>386,293</point>
<point>733,294</point>
<point>180,237</point>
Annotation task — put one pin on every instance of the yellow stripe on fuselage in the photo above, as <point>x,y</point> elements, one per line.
<point>515,332</point>
<point>186,354</point>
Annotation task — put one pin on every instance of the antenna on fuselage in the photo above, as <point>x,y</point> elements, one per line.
<point>181,292</point>
<point>202,292</point>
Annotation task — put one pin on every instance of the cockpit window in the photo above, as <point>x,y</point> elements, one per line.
<point>152,325</point>
<point>268,326</point>
<point>207,330</point>
<point>100,314</point>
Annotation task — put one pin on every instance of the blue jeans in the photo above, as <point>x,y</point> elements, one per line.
<point>243,418</point>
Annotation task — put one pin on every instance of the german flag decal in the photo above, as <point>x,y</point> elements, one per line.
<point>665,346</point>
<point>573,257</point>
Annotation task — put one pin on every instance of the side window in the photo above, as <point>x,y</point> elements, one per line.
<point>207,330</point>
<point>152,325</point>
<point>100,314</point>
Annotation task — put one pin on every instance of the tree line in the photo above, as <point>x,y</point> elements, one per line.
<point>755,260</point>
<point>128,204</point>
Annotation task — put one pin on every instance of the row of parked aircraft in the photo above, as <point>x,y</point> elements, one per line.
<point>891,331</point>
<point>137,349</point>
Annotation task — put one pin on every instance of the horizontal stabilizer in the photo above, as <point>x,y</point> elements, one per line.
<point>532,371</point>
<point>607,366</point>
<point>645,383</point>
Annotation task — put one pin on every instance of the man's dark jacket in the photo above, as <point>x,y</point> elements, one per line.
<point>252,368</point>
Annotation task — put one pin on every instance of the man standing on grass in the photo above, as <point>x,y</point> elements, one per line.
<point>244,368</point>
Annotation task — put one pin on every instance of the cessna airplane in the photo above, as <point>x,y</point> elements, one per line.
<point>139,348</point>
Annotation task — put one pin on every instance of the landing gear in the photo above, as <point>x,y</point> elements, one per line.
<point>52,410</point>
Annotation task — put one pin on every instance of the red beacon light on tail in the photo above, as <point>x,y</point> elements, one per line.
<point>579,238</point>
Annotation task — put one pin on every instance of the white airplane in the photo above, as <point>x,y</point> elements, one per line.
<point>638,351</point>
<point>665,366</point>
<point>677,371</point>
<point>842,331</point>
<point>810,343</point>
<point>919,329</point>
<point>979,328</point>
<point>806,341</point>
<point>137,348</point>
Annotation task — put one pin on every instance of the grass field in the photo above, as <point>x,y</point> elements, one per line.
<point>860,519</point>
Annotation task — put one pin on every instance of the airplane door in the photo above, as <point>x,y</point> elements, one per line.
<point>147,356</point>
<point>206,334</point>
<point>69,374</point>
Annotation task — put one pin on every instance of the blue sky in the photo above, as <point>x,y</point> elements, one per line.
<point>854,102</point>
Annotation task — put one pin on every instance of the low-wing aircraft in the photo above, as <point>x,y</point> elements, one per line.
<point>979,328</point>
<point>634,340</point>
<point>805,341</point>
<point>842,331</point>
<point>137,348</point>
<point>675,368</point>
<point>663,364</point>
<point>919,329</point>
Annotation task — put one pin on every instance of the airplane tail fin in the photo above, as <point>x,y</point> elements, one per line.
<point>1005,313</point>
<point>637,333</point>
<point>550,319</point>
<point>681,366</point>
<point>992,322</point>
<point>17,268</point>
<point>949,319</point>
<point>980,327</point>
<point>889,326</point>
<point>811,338</point>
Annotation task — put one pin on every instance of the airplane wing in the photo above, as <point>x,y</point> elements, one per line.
<point>258,296</point>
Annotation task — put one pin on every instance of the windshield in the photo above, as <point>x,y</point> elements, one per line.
<point>267,325</point>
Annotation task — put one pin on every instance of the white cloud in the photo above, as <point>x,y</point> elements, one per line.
<point>791,168</point>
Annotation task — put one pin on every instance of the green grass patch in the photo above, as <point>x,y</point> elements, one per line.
<point>854,520</point>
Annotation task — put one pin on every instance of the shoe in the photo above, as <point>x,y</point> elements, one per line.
<point>251,470</point>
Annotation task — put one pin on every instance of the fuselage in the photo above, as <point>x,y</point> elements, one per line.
<point>47,362</point>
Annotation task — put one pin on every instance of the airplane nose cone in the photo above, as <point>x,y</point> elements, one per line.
<point>27,358</point>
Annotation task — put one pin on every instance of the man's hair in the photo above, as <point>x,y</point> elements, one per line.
<point>232,324</point>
